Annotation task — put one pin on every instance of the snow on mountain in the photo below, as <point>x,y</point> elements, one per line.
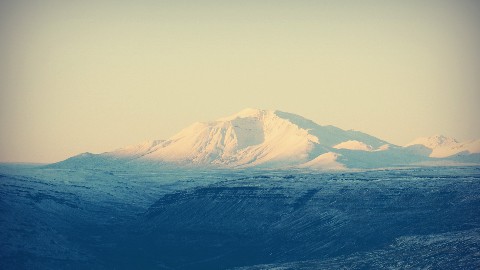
<point>442,146</point>
<point>250,137</point>
<point>253,137</point>
<point>274,139</point>
<point>383,147</point>
<point>353,145</point>
<point>327,161</point>
<point>434,141</point>
<point>136,150</point>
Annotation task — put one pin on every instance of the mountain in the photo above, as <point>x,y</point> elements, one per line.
<point>254,138</point>
<point>442,146</point>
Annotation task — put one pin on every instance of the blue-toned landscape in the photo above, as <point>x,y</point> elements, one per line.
<point>411,218</point>
<point>238,135</point>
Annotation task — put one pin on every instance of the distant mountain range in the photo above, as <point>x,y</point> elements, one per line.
<point>254,138</point>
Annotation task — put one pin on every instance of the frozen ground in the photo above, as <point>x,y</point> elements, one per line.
<point>420,218</point>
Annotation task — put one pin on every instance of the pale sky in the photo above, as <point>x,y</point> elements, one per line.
<point>78,76</point>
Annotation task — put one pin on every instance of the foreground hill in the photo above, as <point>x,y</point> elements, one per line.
<point>416,218</point>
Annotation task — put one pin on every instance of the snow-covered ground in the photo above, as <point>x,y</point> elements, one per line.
<point>103,218</point>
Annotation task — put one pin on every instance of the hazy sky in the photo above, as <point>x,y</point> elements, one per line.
<point>79,76</point>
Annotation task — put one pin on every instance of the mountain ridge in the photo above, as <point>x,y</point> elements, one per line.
<point>255,138</point>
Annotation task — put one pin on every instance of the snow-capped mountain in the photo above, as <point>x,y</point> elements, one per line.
<point>254,137</point>
<point>442,146</point>
<point>268,139</point>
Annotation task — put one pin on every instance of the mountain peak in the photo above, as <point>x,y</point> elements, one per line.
<point>246,113</point>
<point>443,146</point>
<point>257,137</point>
<point>434,141</point>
